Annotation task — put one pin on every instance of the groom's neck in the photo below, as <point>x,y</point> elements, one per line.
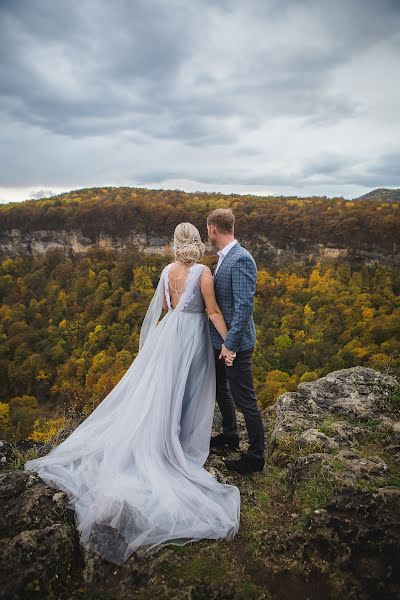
<point>224,240</point>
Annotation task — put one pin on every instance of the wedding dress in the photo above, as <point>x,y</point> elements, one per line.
<point>133,470</point>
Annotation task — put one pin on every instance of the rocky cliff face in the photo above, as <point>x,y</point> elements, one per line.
<point>16,242</point>
<point>322,522</point>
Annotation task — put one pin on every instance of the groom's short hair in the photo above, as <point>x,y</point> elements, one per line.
<point>223,219</point>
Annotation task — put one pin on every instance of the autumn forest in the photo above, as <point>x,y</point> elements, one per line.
<point>70,323</point>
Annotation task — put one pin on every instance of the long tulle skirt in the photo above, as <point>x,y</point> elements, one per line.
<point>133,470</point>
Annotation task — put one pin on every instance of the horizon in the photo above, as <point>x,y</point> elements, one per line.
<point>75,190</point>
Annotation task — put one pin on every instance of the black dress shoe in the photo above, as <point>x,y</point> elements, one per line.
<point>245,464</point>
<point>223,442</point>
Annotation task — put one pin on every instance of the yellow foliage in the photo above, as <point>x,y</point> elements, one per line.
<point>378,361</point>
<point>92,334</point>
<point>294,283</point>
<point>62,298</point>
<point>63,324</point>
<point>6,314</point>
<point>7,265</point>
<point>4,415</point>
<point>42,376</point>
<point>358,350</point>
<point>299,335</point>
<point>323,284</point>
<point>367,313</point>
<point>44,431</point>
<point>277,382</point>
<point>142,279</point>
<point>308,314</point>
<point>309,376</point>
<point>315,278</point>
<point>264,279</point>
<point>291,323</point>
<point>100,361</point>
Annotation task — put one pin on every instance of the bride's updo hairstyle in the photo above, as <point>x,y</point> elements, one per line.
<point>188,247</point>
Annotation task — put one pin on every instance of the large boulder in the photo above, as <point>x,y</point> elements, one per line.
<point>39,549</point>
<point>331,411</point>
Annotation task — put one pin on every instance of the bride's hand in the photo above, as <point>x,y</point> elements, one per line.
<point>229,360</point>
<point>227,355</point>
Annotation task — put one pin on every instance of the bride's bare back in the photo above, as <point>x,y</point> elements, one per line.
<point>177,277</point>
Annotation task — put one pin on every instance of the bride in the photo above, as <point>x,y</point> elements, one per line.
<point>133,469</point>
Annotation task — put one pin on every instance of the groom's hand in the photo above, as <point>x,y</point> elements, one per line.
<point>227,355</point>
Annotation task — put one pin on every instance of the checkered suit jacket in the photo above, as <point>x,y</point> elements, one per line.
<point>235,286</point>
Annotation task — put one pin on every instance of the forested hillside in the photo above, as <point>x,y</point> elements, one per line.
<point>70,325</point>
<point>70,328</point>
<point>285,221</point>
<point>382,195</point>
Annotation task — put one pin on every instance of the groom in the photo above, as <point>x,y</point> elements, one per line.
<point>235,283</point>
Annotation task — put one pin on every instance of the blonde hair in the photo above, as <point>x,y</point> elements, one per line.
<point>188,247</point>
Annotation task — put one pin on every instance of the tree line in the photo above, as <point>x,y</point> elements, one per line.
<point>286,221</point>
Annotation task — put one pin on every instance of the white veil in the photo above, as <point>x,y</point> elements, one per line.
<point>153,312</point>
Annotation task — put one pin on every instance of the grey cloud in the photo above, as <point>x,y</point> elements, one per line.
<point>118,61</point>
<point>217,178</point>
<point>330,168</point>
<point>122,66</point>
<point>384,172</point>
<point>327,164</point>
<point>41,194</point>
<point>340,170</point>
<point>79,79</point>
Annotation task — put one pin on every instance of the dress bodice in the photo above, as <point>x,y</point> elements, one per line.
<point>195,301</point>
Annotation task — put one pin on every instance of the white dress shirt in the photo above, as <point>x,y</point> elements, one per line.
<point>222,253</point>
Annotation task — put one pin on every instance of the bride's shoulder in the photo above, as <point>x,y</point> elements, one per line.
<point>205,271</point>
<point>164,272</point>
<point>168,266</point>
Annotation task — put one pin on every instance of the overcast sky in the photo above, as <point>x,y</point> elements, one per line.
<point>256,96</point>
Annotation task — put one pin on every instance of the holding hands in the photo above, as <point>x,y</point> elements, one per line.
<point>227,355</point>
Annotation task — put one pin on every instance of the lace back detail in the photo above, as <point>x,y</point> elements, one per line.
<point>186,298</point>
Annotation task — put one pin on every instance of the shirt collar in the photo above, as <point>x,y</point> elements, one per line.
<point>226,248</point>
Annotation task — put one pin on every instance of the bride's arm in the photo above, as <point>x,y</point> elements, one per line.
<point>213,310</point>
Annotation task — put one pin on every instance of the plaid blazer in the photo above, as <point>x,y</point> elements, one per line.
<point>235,286</point>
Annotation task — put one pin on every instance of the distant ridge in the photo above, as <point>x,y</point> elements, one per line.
<point>381,194</point>
<point>274,228</point>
